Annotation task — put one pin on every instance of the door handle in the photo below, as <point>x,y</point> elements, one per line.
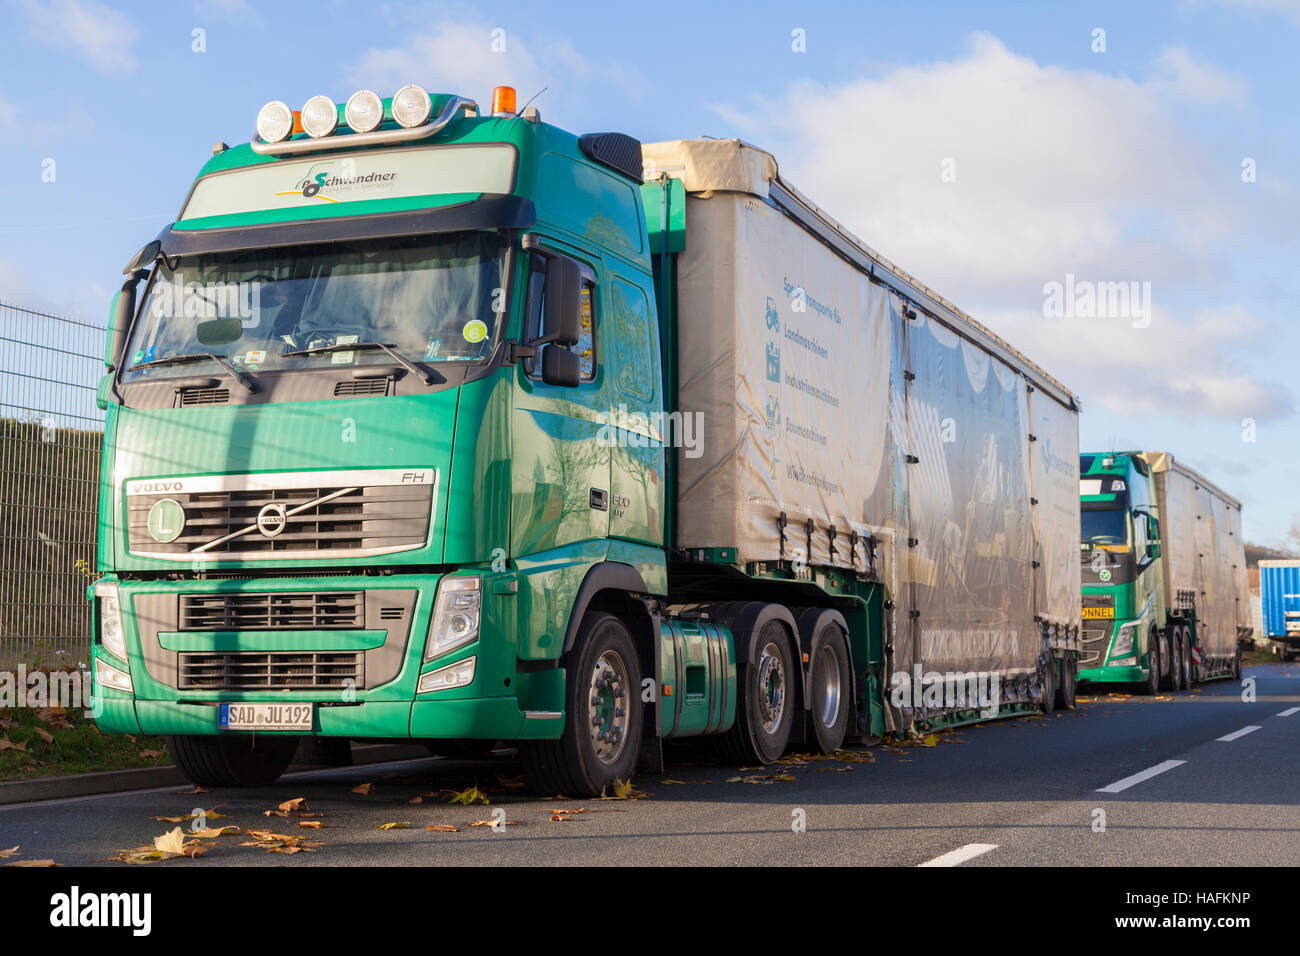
<point>599,499</point>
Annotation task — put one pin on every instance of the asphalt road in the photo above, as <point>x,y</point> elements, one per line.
<point>1174,780</point>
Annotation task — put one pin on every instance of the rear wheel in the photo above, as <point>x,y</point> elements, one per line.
<point>1236,664</point>
<point>765,704</point>
<point>217,761</point>
<point>1185,640</point>
<point>828,698</point>
<point>1047,675</point>
<point>1174,681</point>
<point>1068,691</point>
<point>601,741</point>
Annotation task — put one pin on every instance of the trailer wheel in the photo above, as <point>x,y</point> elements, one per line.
<point>601,741</point>
<point>217,761</point>
<point>829,698</point>
<point>1067,694</point>
<point>765,704</point>
<point>1236,664</point>
<point>1185,640</point>
<point>1047,676</point>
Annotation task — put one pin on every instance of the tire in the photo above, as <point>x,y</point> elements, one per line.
<point>1151,686</point>
<point>601,741</point>
<point>1047,674</point>
<point>220,761</point>
<point>1185,639</point>
<point>829,694</point>
<point>1067,691</point>
<point>765,705</point>
<point>1236,665</point>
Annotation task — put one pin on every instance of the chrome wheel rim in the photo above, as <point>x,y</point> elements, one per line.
<point>607,706</point>
<point>771,688</point>
<point>826,681</point>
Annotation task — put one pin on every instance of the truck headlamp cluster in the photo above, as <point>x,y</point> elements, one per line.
<point>275,122</point>
<point>110,620</point>
<point>1124,639</point>
<point>364,113</point>
<point>106,675</point>
<point>320,117</point>
<point>455,615</point>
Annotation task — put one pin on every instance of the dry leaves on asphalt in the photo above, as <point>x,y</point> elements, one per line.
<point>280,842</point>
<point>443,828</point>
<point>404,825</point>
<point>205,814</point>
<point>168,846</point>
<point>364,789</point>
<point>467,797</point>
<point>623,790</point>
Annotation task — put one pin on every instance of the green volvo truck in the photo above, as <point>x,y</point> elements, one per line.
<point>434,424</point>
<point>1165,599</point>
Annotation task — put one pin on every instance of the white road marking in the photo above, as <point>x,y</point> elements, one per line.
<point>1137,778</point>
<point>1241,733</point>
<point>960,855</point>
<point>1288,712</point>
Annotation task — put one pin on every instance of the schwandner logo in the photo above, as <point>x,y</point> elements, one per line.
<point>76,909</point>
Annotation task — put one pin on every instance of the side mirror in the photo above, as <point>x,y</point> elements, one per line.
<point>560,367</point>
<point>1153,549</point>
<point>119,320</point>
<point>219,331</point>
<point>562,322</point>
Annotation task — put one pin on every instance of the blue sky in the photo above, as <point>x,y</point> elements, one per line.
<point>1115,165</point>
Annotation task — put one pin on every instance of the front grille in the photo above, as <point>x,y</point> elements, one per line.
<point>1096,639</point>
<point>363,386</point>
<point>318,610</point>
<point>389,513</point>
<point>281,670</point>
<point>205,396</point>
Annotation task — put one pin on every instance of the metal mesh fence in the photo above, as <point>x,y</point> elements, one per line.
<point>50,438</point>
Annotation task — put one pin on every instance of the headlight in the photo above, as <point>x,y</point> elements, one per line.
<point>274,122</point>
<point>1123,643</point>
<point>411,106</point>
<point>444,678</point>
<point>320,117</point>
<point>455,615</point>
<point>106,675</point>
<point>110,620</point>
<point>364,111</point>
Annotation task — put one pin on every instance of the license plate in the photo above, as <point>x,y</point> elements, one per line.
<point>266,717</point>
<point>1092,613</point>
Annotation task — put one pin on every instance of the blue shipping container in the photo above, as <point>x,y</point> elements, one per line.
<point>1279,591</point>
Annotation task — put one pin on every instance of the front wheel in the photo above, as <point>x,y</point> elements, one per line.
<point>1151,686</point>
<point>601,742</point>
<point>219,761</point>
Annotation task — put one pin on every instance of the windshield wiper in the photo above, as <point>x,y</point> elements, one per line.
<point>424,374</point>
<point>239,376</point>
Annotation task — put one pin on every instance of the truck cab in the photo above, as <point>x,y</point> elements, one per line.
<point>1124,612</point>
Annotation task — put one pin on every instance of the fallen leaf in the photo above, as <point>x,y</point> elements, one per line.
<point>210,834</point>
<point>365,788</point>
<point>929,741</point>
<point>44,735</point>
<point>6,854</point>
<point>150,754</point>
<point>467,797</point>
<point>416,799</point>
<point>491,823</point>
<point>669,783</point>
<point>404,825</point>
<point>33,863</point>
<point>310,824</point>
<point>173,841</point>
<point>294,805</point>
<point>512,783</point>
<point>443,828</point>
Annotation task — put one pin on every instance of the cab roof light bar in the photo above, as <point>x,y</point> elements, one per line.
<point>281,123</point>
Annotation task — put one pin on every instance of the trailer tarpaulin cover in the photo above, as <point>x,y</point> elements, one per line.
<point>1205,558</point>
<point>826,396</point>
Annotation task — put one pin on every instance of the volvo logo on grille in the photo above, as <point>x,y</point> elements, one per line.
<point>272,519</point>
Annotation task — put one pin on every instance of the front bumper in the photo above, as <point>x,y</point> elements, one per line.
<point>497,704</point>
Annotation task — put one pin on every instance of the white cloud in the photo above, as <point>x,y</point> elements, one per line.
<point>1057,171</point>
<point>101,35</point>
<point>457,57</point>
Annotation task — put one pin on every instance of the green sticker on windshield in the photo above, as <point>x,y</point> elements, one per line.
<point>475,330</point>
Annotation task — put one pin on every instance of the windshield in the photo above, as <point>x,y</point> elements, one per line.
<point>431,299</point>
<point>1106,553</point>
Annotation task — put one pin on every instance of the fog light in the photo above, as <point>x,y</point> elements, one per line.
<point>364,111</point>
<point>320,117</point>
<point>106,675</point>
<point>1124,662</point>
<point>444,678</point>
<point>412,106</point>
<point>274,122</point>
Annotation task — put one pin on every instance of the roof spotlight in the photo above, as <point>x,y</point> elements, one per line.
<point>274,122</point>
<point>365,111</point>
<point>412,106</point>
<point>320,117</point>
